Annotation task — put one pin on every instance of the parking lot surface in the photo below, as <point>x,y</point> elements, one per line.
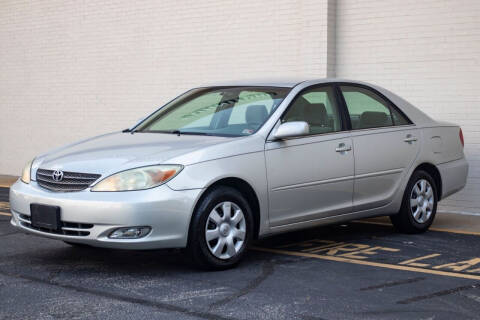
<point>359,270</point>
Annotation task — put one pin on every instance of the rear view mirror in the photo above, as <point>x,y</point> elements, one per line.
<point>291,129</point>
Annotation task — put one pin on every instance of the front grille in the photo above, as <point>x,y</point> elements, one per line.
<point>72,181</point>
<point>66,228</point>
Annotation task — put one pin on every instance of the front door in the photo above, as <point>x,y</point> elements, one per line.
<point>311,176</point>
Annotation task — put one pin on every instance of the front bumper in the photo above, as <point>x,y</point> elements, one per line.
<point>166,211</point>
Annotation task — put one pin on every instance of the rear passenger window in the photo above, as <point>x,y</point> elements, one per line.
<point>398,118</point>
<point>367,109</point>
<point>318,108</point>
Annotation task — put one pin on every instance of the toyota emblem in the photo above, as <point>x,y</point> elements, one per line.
<point>57,175</point>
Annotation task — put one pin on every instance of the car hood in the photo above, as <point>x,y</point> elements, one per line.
<point>120,151</point>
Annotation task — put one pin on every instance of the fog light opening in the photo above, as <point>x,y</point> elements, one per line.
<point>130,233</point>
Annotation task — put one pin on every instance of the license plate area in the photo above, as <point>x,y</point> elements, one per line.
<point>46,217</point>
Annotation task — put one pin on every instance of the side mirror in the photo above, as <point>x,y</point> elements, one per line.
<point>291,129</point>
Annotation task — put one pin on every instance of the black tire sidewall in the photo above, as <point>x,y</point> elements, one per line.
<point>197,243</point>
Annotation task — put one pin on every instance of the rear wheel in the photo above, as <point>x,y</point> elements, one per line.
<point>220,230</point>
<point>419,204</point>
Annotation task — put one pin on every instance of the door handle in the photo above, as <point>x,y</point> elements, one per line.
<point>342,147</point>
<point>410,138</point>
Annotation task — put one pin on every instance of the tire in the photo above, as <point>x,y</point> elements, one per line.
<point>418,206</point>
<point>229,234</point>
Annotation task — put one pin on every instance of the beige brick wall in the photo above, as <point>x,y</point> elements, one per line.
<point>427,52</point>
<point>74,69</point>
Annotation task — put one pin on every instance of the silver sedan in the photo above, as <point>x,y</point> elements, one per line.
<point>222,165</point>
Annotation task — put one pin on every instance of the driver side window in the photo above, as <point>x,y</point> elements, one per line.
<point>317,107</point>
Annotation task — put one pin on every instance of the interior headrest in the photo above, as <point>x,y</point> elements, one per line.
<point>370,119</point>
<point>316,114</point>
<point>256,114</point>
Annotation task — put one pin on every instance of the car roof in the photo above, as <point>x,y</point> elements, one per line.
<point>279,82</point>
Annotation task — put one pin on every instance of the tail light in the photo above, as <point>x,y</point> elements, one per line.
<point>460,134</point>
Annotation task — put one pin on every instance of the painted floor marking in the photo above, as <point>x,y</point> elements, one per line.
<point>4,208</point>
<point>471,233</point>
<point>413,262</point>
<point>371,263</point>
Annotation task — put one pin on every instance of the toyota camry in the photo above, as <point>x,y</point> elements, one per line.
<point>220,166</point>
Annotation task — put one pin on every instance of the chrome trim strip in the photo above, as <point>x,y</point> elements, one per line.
<point>313,183</point>
<point>66,176</point>
<point>361,176</point>
<point>23,220</point>
<point>384,127</point>
<point>378,173</point>
<point>75,229</point>
<point>64,182</point>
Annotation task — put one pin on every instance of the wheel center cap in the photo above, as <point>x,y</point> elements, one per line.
<point>224,229</point>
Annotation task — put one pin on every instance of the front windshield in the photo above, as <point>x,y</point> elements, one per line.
<point>222,111</point>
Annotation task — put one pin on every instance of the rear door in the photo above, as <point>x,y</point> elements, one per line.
<point>311,176</point>
<point>385,144</point>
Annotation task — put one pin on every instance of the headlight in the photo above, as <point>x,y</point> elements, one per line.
<point>138,179</point>
<point>26,172</point>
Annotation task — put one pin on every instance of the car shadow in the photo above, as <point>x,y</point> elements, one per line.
<point>53,253</point>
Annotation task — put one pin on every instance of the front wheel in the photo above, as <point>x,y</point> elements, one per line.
<point>419,204</point>
<point>220,230</point>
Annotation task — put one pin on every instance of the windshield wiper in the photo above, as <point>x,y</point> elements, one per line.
<point>178,132</point>
<point>129,131</point>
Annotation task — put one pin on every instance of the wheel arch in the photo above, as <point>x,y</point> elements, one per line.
<point>435,173</point>
<point>245,189</point>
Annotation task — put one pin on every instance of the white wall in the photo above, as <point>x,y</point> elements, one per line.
<point>74,69</point>
<point>427,52</point>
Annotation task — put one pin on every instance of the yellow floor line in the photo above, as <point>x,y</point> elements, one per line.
<point>431,228</point>
<point>369,263</point>
<point>5,185</point>
<point>5,214</point>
